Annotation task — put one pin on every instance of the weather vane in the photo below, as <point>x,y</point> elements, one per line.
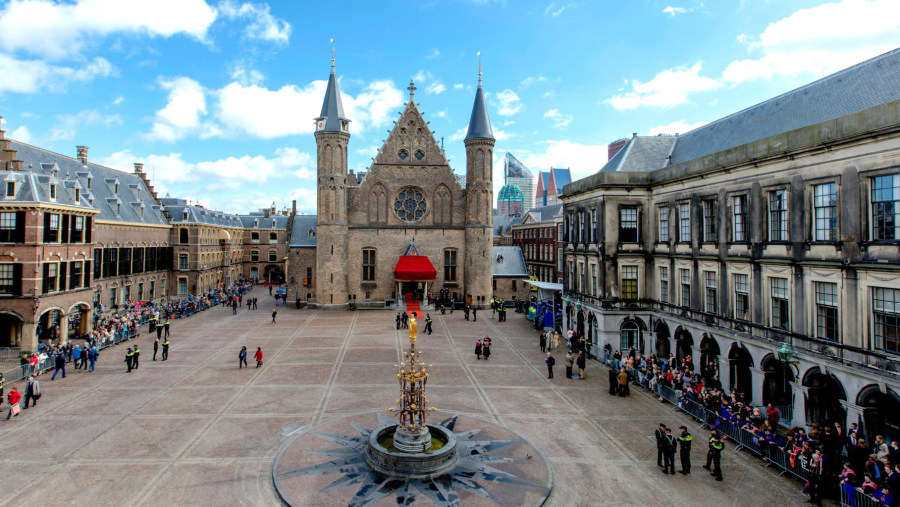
<point>479,67</point>
<point>332,52</point>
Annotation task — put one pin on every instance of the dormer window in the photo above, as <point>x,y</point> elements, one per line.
<point>118,208</point>
<point>10,189</point>
<point>52,192</point>
<point>117,188</point>
<point>89,181</point>
<point>77,195</point>
<point>184,215</point>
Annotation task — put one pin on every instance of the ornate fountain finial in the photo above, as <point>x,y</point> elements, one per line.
<point>413,331</point>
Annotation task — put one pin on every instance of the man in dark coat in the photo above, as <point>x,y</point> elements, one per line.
<point>660,440</point>
<point>684,447</point>
<point>614,382</point>
<point>550,362</point>
<point>669,446</point>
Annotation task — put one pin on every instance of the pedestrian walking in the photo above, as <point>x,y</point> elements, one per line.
<point>242,358</point>
<point>14,397</point>
<point>466,310</point>
<point>255,307</point>
<point>714,455</point>
<point>684,450</point>
<point>258,356</point>
<point>580,361</point>
<point>478,348</point>
<point>570,361</point>
<point>129,359</point>
<point>474,314</point>
<point>399,319</point>
<point>60,364</point>
<point>543,342</point>
<point>428,323</point>
<point>165,351</point>
<point>274,313</point>
<point>32,391</point>
<point>486,348</point>
<point>95,354</point>
<point>155,348</point>
<point>550,362</point>
<point>556,341</point>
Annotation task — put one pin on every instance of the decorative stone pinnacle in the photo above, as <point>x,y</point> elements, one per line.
<point>412,89</point>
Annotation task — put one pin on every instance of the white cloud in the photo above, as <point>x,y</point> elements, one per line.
<point>502,135</point>
<point>246,76</point>
<point>555,11</point>
<point>459,134</point>
<point>560,120</point>
<point>458,86</point>
<point>249,109</point>
<point>507,102</point>
<point>668,88</point>
<point>530,80</point>
<point>65,127</point>
<point>263,25</point>
<point>21,134</point>
<point>422,76</point>
<point>435,88</point>
<point>171,170</point>
<point>32,76</point>
<point>819,40</point>
<point>582,159</point>
<point>118,100</point>
<point>676,127</point>
<point>674,11</point>
<point>56,30</point>
<point>441,114</point>
<point>435,52</point>
<point>184,112</point>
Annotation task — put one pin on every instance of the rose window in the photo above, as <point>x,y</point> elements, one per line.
<point>410,204</point>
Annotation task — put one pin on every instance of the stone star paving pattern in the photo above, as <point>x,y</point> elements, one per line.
<point>196,430</point>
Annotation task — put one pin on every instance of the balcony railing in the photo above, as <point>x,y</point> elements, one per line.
<point>880,362</point>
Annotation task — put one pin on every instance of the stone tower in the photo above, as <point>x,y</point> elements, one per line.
<point>479,200</point>
<point>332,136</point>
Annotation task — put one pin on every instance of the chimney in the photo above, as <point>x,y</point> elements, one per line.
<point>16,165</point>
<point>634,134</point>
<point>1,128</point>
<point>138,167</point>
<point>294,208</point>
<point>614,147</point>
<point>83,154</point>
<point>265,213</point>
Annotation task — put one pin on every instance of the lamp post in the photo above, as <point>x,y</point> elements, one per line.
<point>785,353</point>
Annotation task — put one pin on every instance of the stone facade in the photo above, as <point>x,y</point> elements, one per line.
<point>727,255</point>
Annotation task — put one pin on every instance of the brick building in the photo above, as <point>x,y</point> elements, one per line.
<point>539,236</point>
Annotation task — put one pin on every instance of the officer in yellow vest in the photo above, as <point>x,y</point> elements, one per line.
<point>135,360</point>
<point>714,455</point>
<point>129,359</point>
<point>165,353</point>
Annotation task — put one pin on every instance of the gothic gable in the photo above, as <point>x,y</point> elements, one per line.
<point>411,142</point>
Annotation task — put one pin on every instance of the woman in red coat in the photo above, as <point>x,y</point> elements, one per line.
<point>258,356</point>
<point>14,397</point>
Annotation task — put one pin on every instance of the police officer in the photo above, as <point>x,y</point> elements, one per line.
<point>165,352</point>
<point>669,445</point>
<point>135,360</point>
<point>166,327</point>
<point>155,348</point>
<point>152,323</point>
<point>714,455</point>
<point>684,443</point>
<point>428,323</point>
<point>129,359</point>
<point>660,432</point>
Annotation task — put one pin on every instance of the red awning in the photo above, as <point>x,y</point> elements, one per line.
<point>414,268</point>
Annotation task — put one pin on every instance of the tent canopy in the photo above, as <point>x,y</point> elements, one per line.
<point>414,268</point>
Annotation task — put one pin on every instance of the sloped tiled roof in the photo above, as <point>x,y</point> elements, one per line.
<point>182,213</point>
<point>642,153</point>
<point>865,85</point>
<point>513,261</point>
<point>303,231</point>
<point>544,213</point>
<point>562,177</point>
<point>259,221</point>
<point>38,168</point>
<point>479,123</point>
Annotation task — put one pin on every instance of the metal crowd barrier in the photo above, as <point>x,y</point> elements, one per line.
<point>852,497</point>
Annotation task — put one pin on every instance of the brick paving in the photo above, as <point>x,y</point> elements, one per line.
<point>195,430</point>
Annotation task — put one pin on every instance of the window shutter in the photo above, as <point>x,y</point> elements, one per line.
<point>65,229</point>
<point>61,280</point>
<point>45,281</point>
<point>19,236</point>
<point>46,227</point>
<point>98,263</point>
<point>87,274</point>
<point>87,229</point>
<point>17,279</point>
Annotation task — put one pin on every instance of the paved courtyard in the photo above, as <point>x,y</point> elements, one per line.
<point>195,430</point>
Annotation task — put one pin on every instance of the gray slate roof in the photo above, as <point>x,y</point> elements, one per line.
<point>40,166</point>
<point>303,231</point>
<point>479,123</point>
<point>182,213</point>
<point>513,264</point>
<point>562,177</point>
<point>545,213</point>
<point>642,153</point>
<point>504,223</point>
<point>259,221</point>
<point>332,108</point>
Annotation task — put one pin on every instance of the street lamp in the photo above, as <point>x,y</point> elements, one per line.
<point>785,353</point>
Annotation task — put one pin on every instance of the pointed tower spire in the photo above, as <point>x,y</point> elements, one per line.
<point>332,118</point>
<point>479,123</point>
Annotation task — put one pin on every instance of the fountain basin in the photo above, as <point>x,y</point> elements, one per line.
<point>419,465</point>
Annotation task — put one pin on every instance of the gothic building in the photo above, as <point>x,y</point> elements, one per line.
<point>407,227</point>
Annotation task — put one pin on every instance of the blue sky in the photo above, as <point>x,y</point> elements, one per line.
<point>217,98</point>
